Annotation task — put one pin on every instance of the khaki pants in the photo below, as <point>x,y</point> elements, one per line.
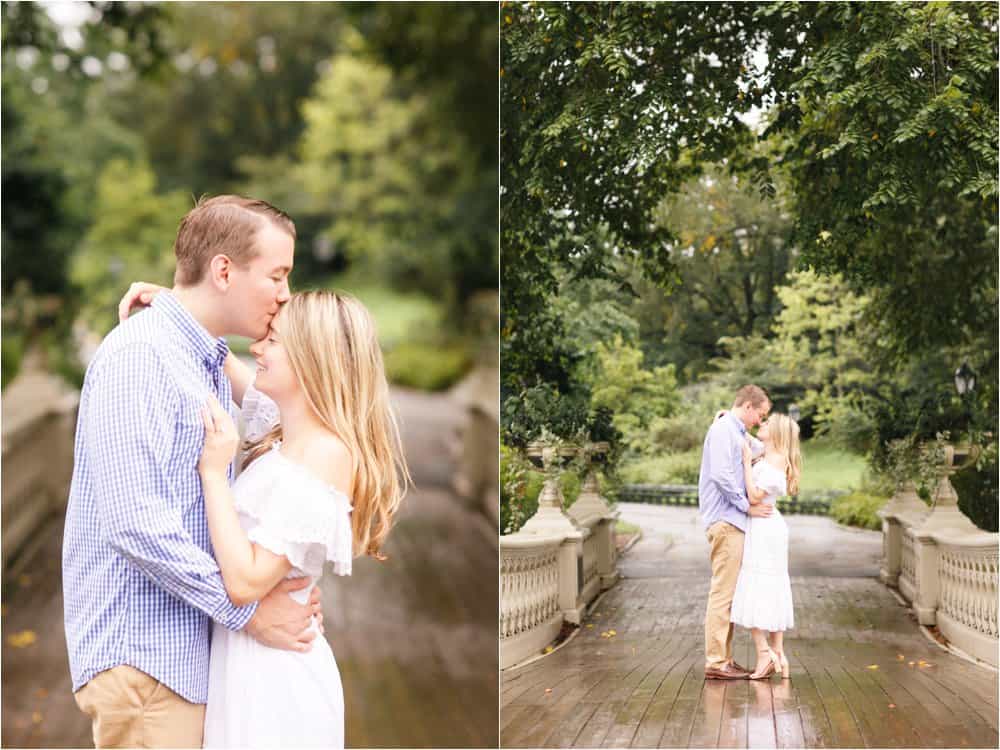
<point>726,543</point>
<point>131,709</point>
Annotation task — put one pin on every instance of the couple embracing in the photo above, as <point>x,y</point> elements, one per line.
<point>740,481</point>
<point>183,587</point>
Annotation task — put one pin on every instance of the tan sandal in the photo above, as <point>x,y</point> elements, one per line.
<point>773,665</point>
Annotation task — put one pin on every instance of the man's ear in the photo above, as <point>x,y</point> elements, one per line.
<point>219,268</point>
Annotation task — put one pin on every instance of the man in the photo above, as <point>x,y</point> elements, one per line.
<point>140,583</point>
<point>724,508</point>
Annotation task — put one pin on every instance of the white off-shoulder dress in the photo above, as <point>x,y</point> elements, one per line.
<point>265,697</point>
<point>763,597</point>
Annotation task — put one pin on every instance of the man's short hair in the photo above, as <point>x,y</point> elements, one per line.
<point>756,395</point>
<point>226,225</point>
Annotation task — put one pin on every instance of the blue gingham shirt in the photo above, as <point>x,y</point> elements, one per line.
<point>140,585</point>
<point>722,490</point>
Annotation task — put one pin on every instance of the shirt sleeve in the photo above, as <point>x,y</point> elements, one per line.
<point>260,414</point>
<point>130,431</point>
<point>727,465</point>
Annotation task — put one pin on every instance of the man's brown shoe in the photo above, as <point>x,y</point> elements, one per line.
<point>728,672</point>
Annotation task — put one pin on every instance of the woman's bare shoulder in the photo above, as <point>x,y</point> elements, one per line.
<point>330,459</point>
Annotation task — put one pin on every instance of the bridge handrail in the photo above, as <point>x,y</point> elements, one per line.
<point>944,567</point>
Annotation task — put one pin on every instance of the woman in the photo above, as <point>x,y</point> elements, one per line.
<point>763,598</point>
<point>319,483</point>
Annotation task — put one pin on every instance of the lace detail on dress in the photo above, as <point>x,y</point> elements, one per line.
<point>260,414</point>
<point>298,515</point>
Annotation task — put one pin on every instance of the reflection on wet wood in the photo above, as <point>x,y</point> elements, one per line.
<point>862,675</point>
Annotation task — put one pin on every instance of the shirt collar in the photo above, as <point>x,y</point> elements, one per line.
<point>739,423</point>
<point>211,351</point>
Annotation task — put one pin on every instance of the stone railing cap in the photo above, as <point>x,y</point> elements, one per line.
<point>518,540</point>
<point>970,540</point>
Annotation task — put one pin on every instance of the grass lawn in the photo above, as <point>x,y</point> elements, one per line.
<point>825,467</point>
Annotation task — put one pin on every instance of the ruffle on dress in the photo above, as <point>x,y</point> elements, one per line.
<point>298,515</point>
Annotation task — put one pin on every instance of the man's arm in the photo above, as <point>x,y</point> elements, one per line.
<point>129,433</point>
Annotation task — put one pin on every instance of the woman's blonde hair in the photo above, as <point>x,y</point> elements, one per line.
<point>332,347</point>
<point>784,435</point>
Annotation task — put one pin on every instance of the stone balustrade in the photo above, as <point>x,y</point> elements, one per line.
<point>944,567</point>
<point>553,567</point>
<point>39,417</point>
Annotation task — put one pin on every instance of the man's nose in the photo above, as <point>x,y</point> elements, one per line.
<point>284,293</point>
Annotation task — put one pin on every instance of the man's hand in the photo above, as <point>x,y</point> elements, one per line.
<point>763,510</point>
<point>281,622</point>
<point>140,294</point>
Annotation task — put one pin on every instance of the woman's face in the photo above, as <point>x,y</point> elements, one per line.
<point>275,376</point>
<point>764,431</point>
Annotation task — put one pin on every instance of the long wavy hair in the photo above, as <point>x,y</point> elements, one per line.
<point>333,350</point>
<point>784,434</point>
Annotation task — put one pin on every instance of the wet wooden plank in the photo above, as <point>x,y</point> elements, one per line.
<point>760,715</point>
<point>678,726</point>
<point>569,728</point>
<point>844,624</point>
<point>735,714</point>
<point>843,726</point>
<point>816,729</point>
<point>535,726</point>
<point>654,720</point>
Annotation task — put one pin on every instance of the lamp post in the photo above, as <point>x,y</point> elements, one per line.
<point>793,412</point>
<point>965,380</point>
<point>965,384</point>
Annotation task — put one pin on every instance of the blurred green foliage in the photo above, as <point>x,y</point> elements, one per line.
<point>858,509</point>
<point>116,118</point>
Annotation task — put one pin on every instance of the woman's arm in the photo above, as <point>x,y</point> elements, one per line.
<point>240,375</point>
<point>248,570</point>
<point>754,494</point>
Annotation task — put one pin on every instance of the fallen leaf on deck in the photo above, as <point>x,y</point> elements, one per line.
<point>590,624</point>
<point>872,666</point>
<point>892,705</point>
<point>613,632</point>
<point>911,663</point>
<point>548,690</point>
<point>900,657</point>
<point>22,639</point>
<point>36,717</point>
<point>41,693</point>
<point>548,649</point>
<point>24,579</point>
<point>3,610</point>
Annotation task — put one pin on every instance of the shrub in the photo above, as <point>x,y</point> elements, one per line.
<point>517,504</point>
<point>425,366</point>
<point>858,509</point>
<point>977,494</point>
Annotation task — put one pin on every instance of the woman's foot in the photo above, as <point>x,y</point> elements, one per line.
<point>767,665</point>
<point>783,665</point>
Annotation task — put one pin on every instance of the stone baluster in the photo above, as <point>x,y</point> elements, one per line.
<point>550,520</point>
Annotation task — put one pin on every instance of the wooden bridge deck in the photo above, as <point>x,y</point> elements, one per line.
<point>863,675</point>
<point>415,638</point>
